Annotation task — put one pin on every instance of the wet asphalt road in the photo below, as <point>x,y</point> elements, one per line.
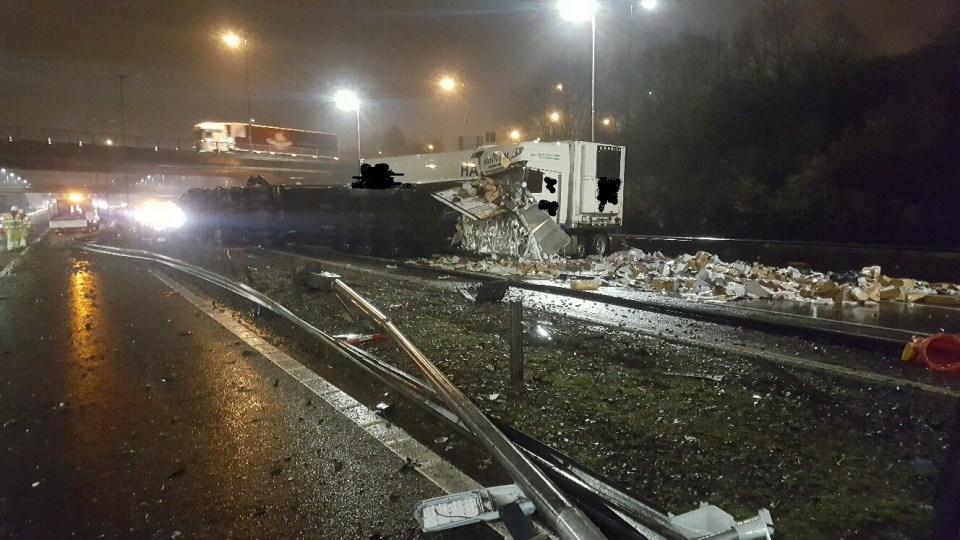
<point>125,412</point>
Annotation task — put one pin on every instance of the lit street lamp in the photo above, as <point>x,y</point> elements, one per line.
<point>348,101</point>
<point>449,84</point>
<point>235,41</point>
<point>515,135</point>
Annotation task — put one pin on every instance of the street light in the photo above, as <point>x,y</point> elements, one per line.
<point>347,100</point>
<point>554,117</point>
<point>580,11</point>
<point>586,10</point>
<point>235,41</point>
<point>449,84</point>
<point>515,135</point>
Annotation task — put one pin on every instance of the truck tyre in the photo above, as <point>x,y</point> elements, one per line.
<point>578,247</point>
<point>599,244</point>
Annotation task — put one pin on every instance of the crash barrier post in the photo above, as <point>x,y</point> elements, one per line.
<point>516,346</point>
<point>294,278</point>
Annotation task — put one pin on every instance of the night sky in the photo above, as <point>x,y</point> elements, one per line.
<point>58,59</point>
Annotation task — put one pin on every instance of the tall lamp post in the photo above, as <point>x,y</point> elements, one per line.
<point>580,11</point>
<point>235,41</point>
<point>449,84</point>
<point>347,100</point>
<point>123,139</point>
<point>586,10</point>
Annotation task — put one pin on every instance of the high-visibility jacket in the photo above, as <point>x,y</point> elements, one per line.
<point>15,226</point>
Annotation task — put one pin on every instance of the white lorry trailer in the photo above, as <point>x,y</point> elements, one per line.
<point>269,140</point>
<point>578,184</point>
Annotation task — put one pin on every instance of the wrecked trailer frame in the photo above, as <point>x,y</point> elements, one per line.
<point>620,512</point>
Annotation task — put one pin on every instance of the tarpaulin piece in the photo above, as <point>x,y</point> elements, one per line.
<point>940,352</point>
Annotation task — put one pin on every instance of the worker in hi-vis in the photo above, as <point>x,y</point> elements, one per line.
<point>15,228</point>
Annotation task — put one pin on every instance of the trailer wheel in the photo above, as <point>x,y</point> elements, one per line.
<point>599,244</point>
<point>578,247</point>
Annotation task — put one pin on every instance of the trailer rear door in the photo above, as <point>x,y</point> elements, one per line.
<point>602,179</point>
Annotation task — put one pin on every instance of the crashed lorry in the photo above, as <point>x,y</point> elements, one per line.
<point>528,199</point>
<point>523,200</point>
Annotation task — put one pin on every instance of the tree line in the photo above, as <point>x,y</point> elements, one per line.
<point>775,134</point>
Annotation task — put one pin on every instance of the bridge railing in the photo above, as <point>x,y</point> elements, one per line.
<point>83,138</point>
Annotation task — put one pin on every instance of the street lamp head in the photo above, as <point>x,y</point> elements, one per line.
<point>606,122</point>
<point>559,87</point>
<point>648,5</point>
<point>448,84</point>
<point>346,100</point>
<point>577,10</point>
<point>515,135</point>
<point>554,116</point>
<point>232,40</point>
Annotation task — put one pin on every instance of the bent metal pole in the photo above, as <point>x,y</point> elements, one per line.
<point>565,519</point>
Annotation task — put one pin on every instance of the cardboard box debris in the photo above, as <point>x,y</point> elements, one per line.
<point>705,277</point>
<point>942,300</point>
<point>585,284</point>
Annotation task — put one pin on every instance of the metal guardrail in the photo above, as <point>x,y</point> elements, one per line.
<point>89,138</point>
<point>291,152</point>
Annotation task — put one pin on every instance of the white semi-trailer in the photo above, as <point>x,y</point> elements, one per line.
<point>578,184</point>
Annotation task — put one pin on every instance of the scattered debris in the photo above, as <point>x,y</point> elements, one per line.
<point>493,397</point>
<point>458,509</point>
<point>356,339</point>
<point>487,291</point>
<point>707,376</point>
<point>585,284</point>
<point>381,408</point>
<point>409,464</point>
<point>704,277</point>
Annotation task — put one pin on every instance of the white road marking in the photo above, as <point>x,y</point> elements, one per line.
<point>433,467</point>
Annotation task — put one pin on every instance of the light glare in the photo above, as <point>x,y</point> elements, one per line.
<point>346,100</point>
<point>231,40</point>
<point>648,5</point>
<point>447,84</point>
<point>160,215</point>
<point>577,10</point>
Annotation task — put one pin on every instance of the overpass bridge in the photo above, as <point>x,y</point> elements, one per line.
<point>55,159</point>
